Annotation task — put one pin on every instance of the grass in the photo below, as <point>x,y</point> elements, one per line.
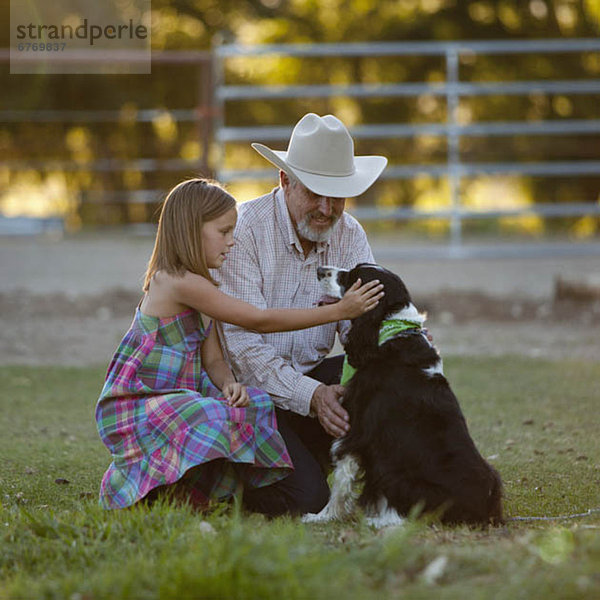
<point>537,421</point>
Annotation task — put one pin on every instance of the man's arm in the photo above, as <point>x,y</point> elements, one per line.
<point>254,361</point>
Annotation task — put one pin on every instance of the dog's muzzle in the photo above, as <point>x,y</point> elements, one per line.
<point>329,280</point>
<point>323,272</point>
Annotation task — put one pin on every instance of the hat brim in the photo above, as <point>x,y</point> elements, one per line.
<point>366,171</point>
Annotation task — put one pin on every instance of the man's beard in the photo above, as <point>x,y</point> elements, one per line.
<point>310,234</point>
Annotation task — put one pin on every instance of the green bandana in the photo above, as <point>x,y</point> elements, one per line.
<point>389,328</point>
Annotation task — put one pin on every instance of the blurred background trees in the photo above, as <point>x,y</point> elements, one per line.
<point>31,184</point>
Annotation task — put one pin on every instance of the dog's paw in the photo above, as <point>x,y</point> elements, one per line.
<point>388,519</point>
<point>322,517</point>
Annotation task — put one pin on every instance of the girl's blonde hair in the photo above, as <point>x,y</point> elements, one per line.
<point>178,246</point>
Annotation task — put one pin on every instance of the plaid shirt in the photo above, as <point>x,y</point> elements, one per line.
<point>267,267</point>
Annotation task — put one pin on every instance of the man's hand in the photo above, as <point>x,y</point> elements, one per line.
<point>326,404</point>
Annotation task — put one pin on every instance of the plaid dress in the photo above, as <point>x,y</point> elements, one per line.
<point>160,416</point>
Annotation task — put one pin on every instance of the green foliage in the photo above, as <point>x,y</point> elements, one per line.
<point>199,24</point>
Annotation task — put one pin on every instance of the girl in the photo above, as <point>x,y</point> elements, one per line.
<point>171,412</point>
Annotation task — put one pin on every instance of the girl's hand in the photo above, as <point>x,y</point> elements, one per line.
<point>236,394</point>
<point>360,298</point>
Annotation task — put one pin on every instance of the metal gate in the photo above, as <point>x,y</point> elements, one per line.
<point>452,89</point>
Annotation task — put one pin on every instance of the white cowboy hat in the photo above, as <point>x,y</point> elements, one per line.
<point>321,155</point>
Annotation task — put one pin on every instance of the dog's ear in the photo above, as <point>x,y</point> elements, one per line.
<point>365,274</point>
<point>363,339</point>
<point>397,294</point>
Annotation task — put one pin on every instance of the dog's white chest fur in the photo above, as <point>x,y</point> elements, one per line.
<point>343,498</point>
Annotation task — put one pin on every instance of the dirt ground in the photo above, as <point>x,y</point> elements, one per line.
<point>69,301</point>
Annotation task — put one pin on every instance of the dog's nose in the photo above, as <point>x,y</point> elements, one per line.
<point>321,272</point>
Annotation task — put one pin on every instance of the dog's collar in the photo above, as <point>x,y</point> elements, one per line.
<point>389,329</point>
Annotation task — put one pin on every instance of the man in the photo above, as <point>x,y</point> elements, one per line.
<point>281,239</point>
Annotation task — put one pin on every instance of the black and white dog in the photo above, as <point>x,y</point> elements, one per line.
<point>408,440</point>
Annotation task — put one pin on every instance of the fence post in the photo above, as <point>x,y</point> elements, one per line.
<point>453,141</point>
<point>218,76</point>
<point>204,113</point>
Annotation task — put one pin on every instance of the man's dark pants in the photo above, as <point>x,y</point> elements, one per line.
<point>306,489</point>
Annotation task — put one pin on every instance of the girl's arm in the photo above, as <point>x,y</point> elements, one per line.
<point>197,292</point>
<point>219,372</point>
<point>212,359</point>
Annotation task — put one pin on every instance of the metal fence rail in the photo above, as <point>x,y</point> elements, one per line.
<point>452,89</point>
<point>213,94</point>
